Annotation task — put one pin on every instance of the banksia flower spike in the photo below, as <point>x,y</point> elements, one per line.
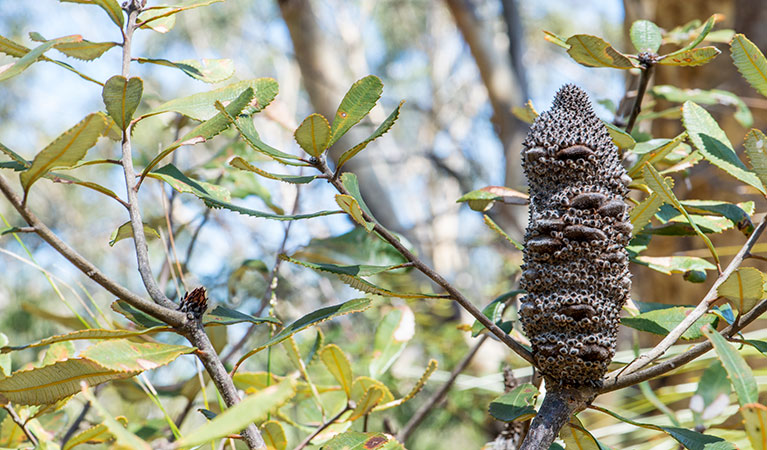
<point>576,266</point>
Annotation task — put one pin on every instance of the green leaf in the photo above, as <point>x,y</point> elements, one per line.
<point>94,435</point>
<point>183,184</point>
<point>680,226</point>
<point>653,151</point>
<point>12,48</point>
<point>33,55</point>
<point>85,50</point>
<point>125,231</point>
<point>701,35</point>
<point>750,62</point>
<point>353,440</point>
<point>350,206</point>
<point>754,419</point>
<point>241,164</point>
<point>206,70</point>
<point>592,51</point>
<point>274,435</point>
<point>338,365</point>
<point>392,335</point>
<point>350,182</point>
<point>226,316</point>
<point>48,384</point>
<point>525,113</point>
<point>356,104</point>
<point>365,405</point>
<point>641,214</point>
<point>66,150</point>
<point>694,57</point>
<point>248,131</point>
<point>170,11</point>
<point>740,374</point>
<point>744,288</point>
<point>484,198</point>
<point>674,264</point>
<point>734,213</point>
<point>353,247</point>
<point>313,135</point>
<point>645,36</point>
<point>756,149</point>
<point>123,438</point>
<point>5,360</point>
<point>86,334</point>
<point>494,310</point>
<point>202,106</point>
<point>516,405</point>
<point>495,227</point>
<point>156,19</point>
<point>660,186</point>
<point>363,384</point>
<point>111,7</point>
<point>253,408</point>
<point>129,356</point>
<point>215,203</point>
<point>380,131</point>
<point>313,318</point>
<point>661,321</point>
<point>712,142</point>
<point>140,318</point>
<point>556,40</point>
<point>576,437</point>
<point>620,138</point>
<point>706,97</point>
<point>121,98</point>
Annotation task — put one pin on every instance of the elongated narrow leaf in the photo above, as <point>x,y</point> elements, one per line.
<point>674,264</point>
<point>660,186</point>
<point>380,131</point>
<point>556,40</point>
<point>641,214</point>
<point>226,316</point>
<point>576,437</point>
<point>94,435</point>
<point>123,438</point>
<point>125,231</point>
<point>756,149</point>
<point>338,365</point>
<point>704,31</point>
<point>354,440</point>
<point>706,97</point>
<point>592,51</point>
<point>755,423</point>
<point>712,142</point>
<point>744,288</point>
<point>184,184</point>
<point>166,11</point>
<point>750,62</point>
<point>363,384</point>
<point>33,55</point>
<point>245,126</point>
<point>85,50</point>
<point>494,310</point>
<point>516,405</point>
<point>525,113</point>
<point>140,318</point>
<point>207,70</point>
<point>253,408</point>
<point>128,356</point>
<point>121,98</point>
<point>350,206</point>
<point>620,138</point>
<point>392,335</point>
<point>49,384</point>
<point>67,149</point>
<point>86,334</point>
<point>655,153</point>
<point>215,203</point>
<point>293,179</point>
<point>157,19</point>
<point>313,135</point>
<point>740,374</point>
<point>431,366</point>
<point>202,106</point>
<point>484,198</point>
<point>645,36</point>
<point>111,7</point>
<point>694,57</point>
<point>495,227</point>
<point>12,48</point>
<point>274,435</point>
<point>313,318</point>
<point>737,214</point>
<point>370,400</point>
<point>662,321</point>
<point>362,270</point>
<point>356,104</point>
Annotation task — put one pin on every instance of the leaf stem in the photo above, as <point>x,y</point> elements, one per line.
<point>17,420</point>
<point>319,429</point>
<point>647,69</point>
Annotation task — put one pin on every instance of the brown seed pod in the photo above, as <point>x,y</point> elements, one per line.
<point>576,237</point>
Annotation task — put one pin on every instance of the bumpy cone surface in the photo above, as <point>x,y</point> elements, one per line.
<point>576,266</point>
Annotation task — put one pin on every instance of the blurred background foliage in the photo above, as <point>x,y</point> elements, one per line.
<point>461,65</point>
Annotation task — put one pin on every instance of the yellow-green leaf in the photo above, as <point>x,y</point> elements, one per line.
<point>756,149</point>
<point>338,365</point>
<point>363,384</point>
<point>353,440</point>
<point>206,70</point>
<point>350,206</point>
<point>274,435</point>
<point>430,368</point>
<point>241,164</point>
<point>645,36</point>
<point>740,374</point>
<point>33,55</point>
<point>744,288</point>
<point>111,7</point>
<point>157,19</point>
<point>592,51</point>
<point>750,62</point>
<point>49,384</point>
<point>152,14</point>
<point>556,40</point>
<point>125,231</point>
<point>313,135</point>
<point>85,50</point>
<point>67,149</point>
<point>641,214</point>
<point>655,154</point>
<point>380,131</point>
<point>12,48</point>
<point>124,439</point>
<point>356,104</point>
<point>694,57</point>
<point>121,98</point>
<point>93,435</point>
<point>252,408</point>
<point>525,113</point>
<point>86,334</point>
<point>620,138</point>
<point>129,356</point>
<point>755,423</point>
<point>369,400</point>
<point>578,438</point>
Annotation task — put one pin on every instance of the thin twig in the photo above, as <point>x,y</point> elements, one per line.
<point>322,427</point>
<point>133,8</point>
<point>438,396</point>
<point>644,79</point>
<point>196,233</point>
<point>17,420</point>
<point>76,424</point>
<point>431,273</point>
<point>699,311</point>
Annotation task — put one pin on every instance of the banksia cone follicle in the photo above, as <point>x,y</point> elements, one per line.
<point>576,266</point>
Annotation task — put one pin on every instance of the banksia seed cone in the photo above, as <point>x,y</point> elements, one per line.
<point>576,266</point>
<point>195,303</point>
